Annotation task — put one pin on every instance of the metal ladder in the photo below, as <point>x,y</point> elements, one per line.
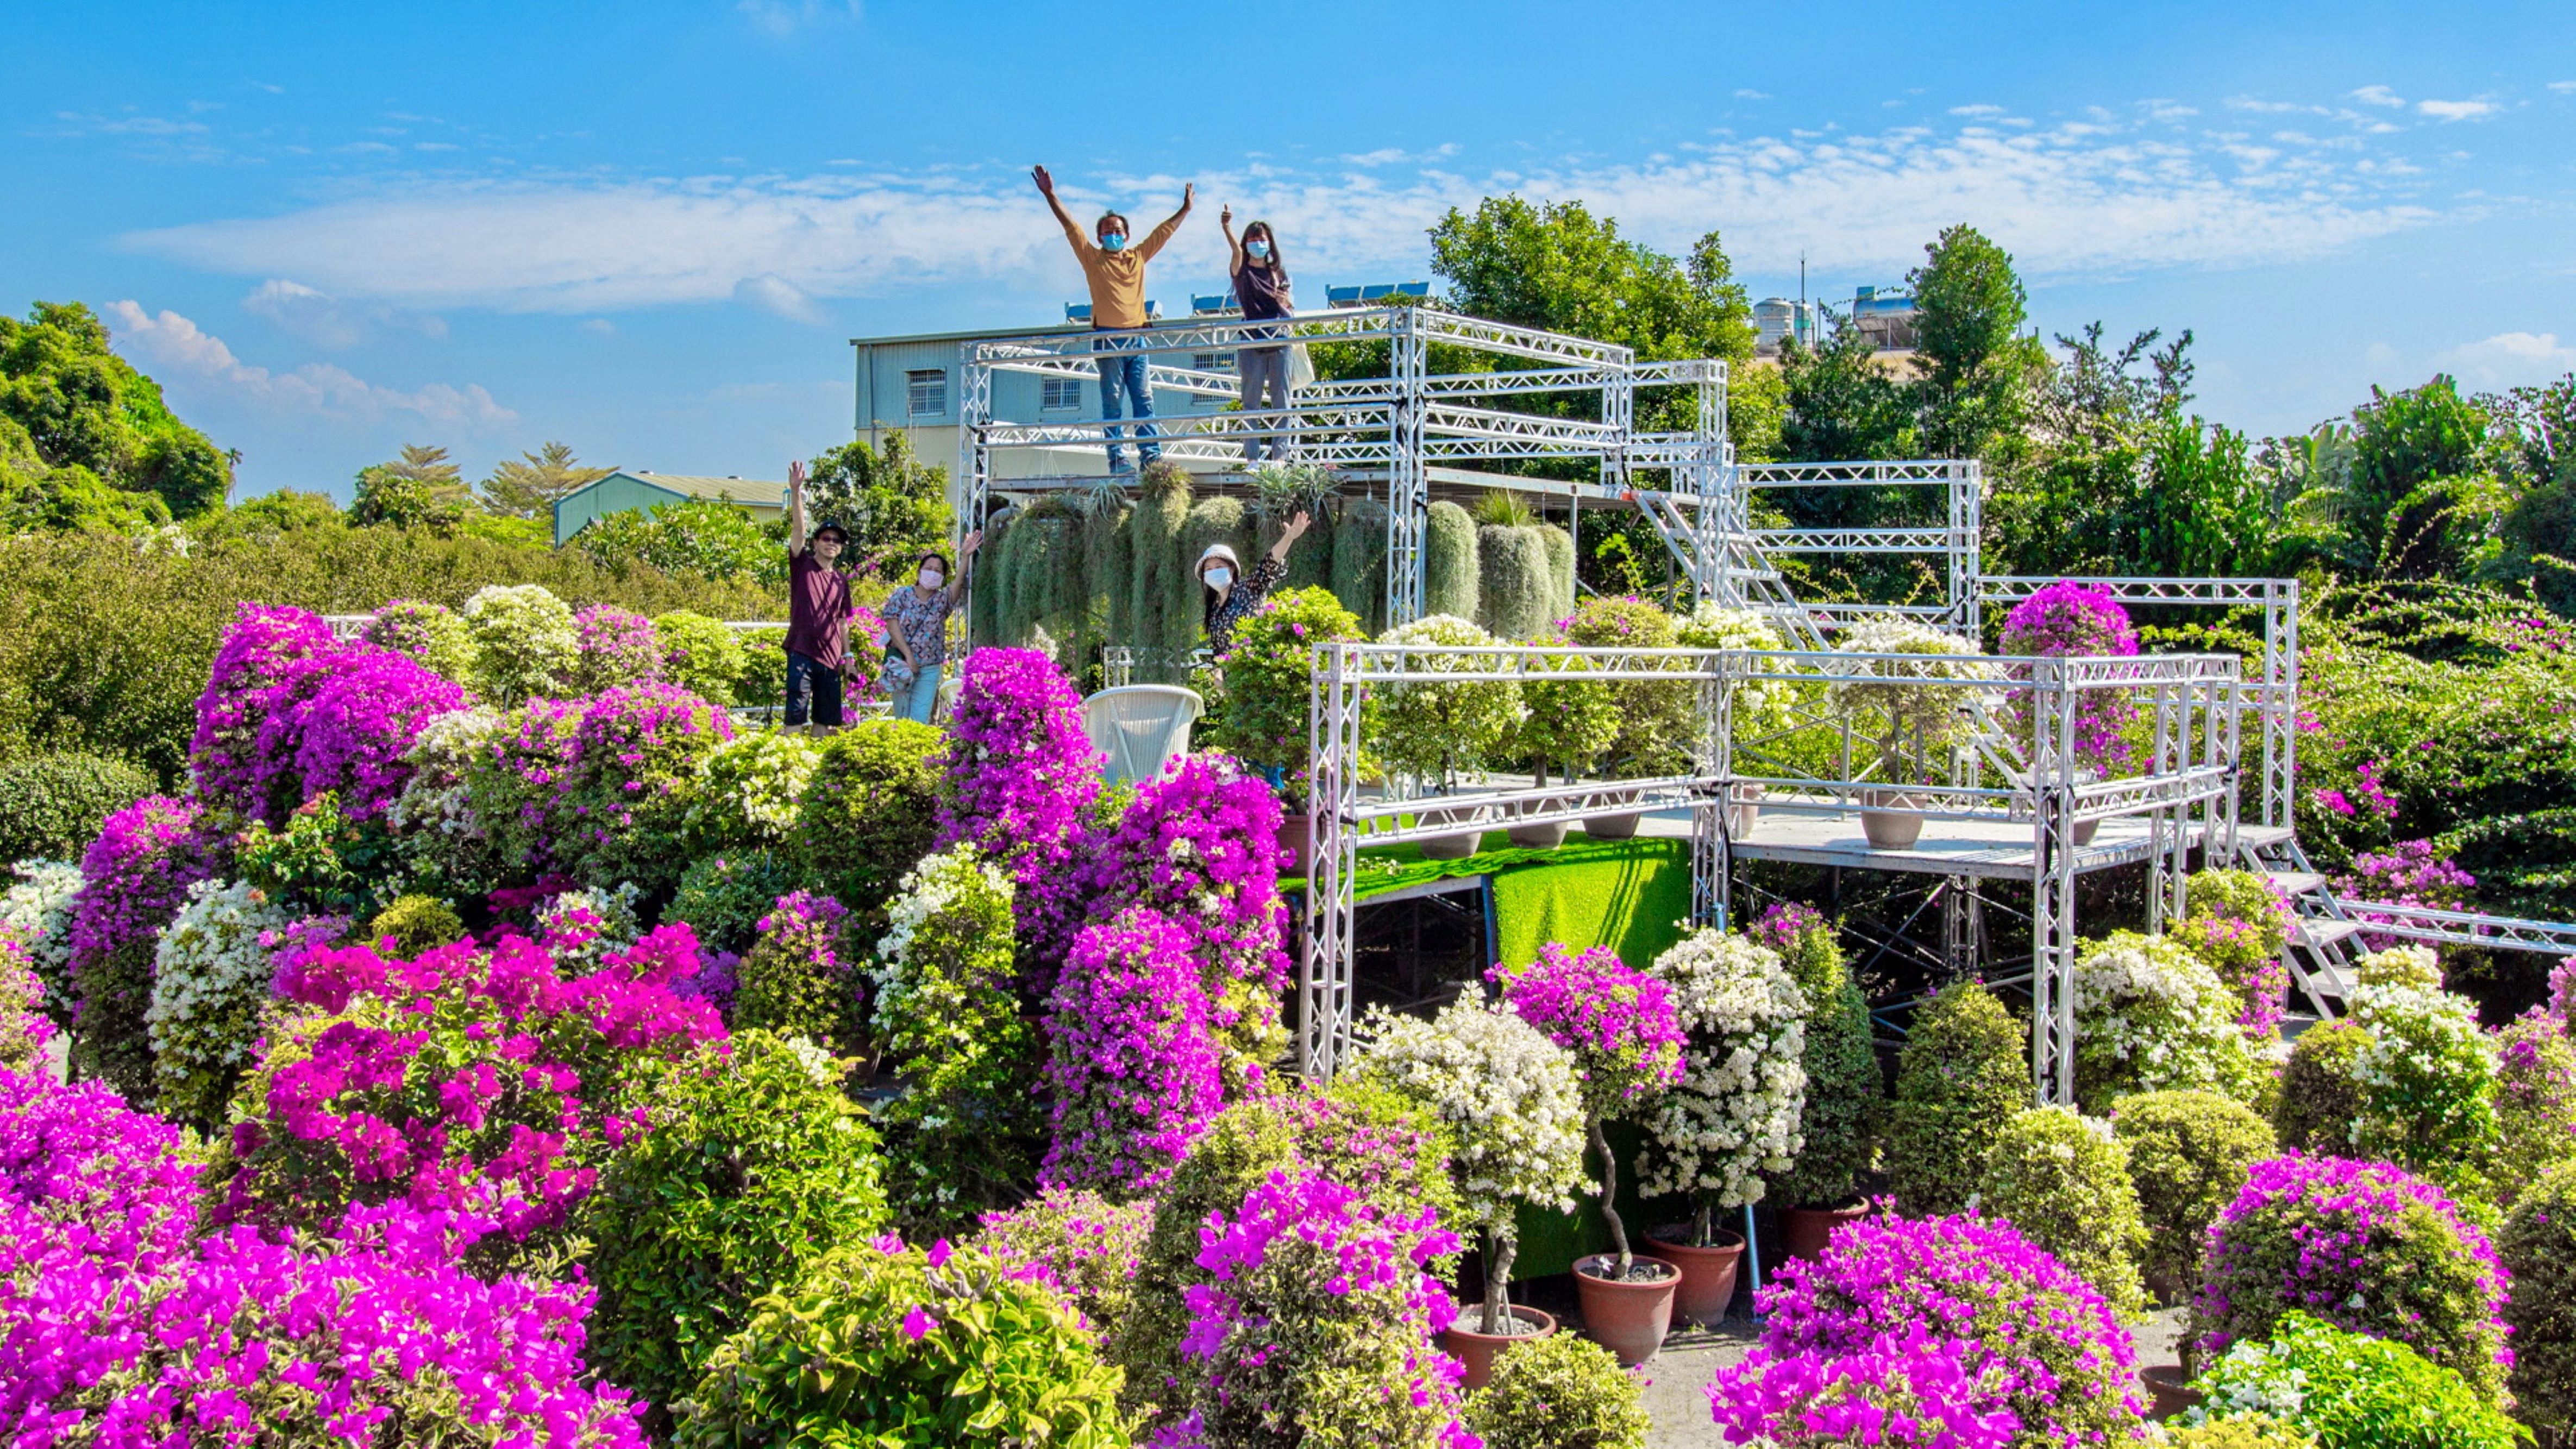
<point>2320,953</point>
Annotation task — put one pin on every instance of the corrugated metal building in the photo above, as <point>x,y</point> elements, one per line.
<point>639,488</point>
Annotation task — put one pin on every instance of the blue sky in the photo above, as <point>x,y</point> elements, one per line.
<point>648,229</point>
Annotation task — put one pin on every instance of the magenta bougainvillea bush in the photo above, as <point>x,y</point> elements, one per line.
<point>259,654</point>
<point>1618,1021</point>
<point>2071,620</point>
<point>1134,1063</point>
<point>1200,846</point>
<point>126,1330</point>
<point>134,877</point>
<point>621,813</point>
<point>1908,1389</point>
<point>614,647</point>
<point>2410,873</point>
<point>1020,775</point>
<point>2029,1339</point>
<point>365,713</point>
<point>466,1075</point>
<point>2365,1247</point>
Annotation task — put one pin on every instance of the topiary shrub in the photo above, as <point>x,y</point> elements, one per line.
<point>2152,1017</point>
<point>2189,1153</point>
<point>1570,721</point>
<point>1913,1388</point>
<point>870,810</point>
<point>803,976</point>
<point>2320,1101</point>
<point>2535,1104</point>
<point>639,757</point>
<point>891,1347</point>
<point>753,792</point>
<point>1133,1064</point>
<point>431,635</point>
<point>702,656</point>
<point>1019,776</point>
<point>1084,1244</point>
<point>724,897</point>
<point>2427,1082</point>
<point>2365,1247</point>
<point>752,1166</point>
<point>37,910</point>
<point>1838,1121</point>
<point>525,642</point>
<point>1559,1392</point>
<point>2238,924</point>
<point>1359,563</point>
<point>2239,1431</point>
<point>358,728</point>
<point>210,981</point>
<point>52,805</point>
<point>1560,571</point>
<point>2063,1180</point>
<point>263,651</point>
<point>2008,1329</point>
<point>1440,730</point>
<point>764,668</point>
<point>1514,594</point>
<point>2352,1391</point>
<point>2410,966</point>
<point>1656,724</point>
<point>2538,1248</point>
<point>1358,1136</point>
<point>1731,1119</point>
<point>1452,574</point>
<point>613,647</point>
<point>416,923</point>
<point>1269,681</point>
<point>965,1135</point>
<point>1965,1070</point>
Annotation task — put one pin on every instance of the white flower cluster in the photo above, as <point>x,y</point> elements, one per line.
<point>433,800</point>
<point>1908,693</point>
<point>1760,708</point>
<point>2257,1380</point>
<point>1432,727</point>
<point>1733,1119</point>
<point>1507,1092</point>
<point>752,788</point>
<point>39,909</point>
<point>2150,1016</point>
<point>594,924</point>
<point>2417,1033</point>
<point>820,1066</point>
<point>525,641</point>
<point>2414,966</point>
<point>210,979</point>
<point>905,987</point>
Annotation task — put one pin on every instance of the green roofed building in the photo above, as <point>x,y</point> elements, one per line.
<point>629,489</point>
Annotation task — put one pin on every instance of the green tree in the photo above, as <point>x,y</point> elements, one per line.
<point>892,503</point>
<point>80,406</point>
<point>529,486</point>
<point>713,537</point>
<point>1975,365</point>
<point>405,495</point>
<point>1837,403</point>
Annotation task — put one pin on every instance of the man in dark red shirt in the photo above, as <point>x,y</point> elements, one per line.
<point>818,612</point>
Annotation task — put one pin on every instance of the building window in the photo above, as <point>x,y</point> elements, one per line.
<point>1060,394</point>
<point>1212,361</point>
<point>925,392</point>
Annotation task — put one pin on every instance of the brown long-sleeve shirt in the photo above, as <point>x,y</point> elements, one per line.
<point>1117,278</point>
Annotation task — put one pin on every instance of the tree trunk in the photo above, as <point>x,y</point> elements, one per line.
<point>1501,1247</point>
<point>1700,1226</point>
<point>1609,1190</point>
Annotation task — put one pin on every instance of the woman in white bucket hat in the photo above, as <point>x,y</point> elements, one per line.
<point>1232,593</point>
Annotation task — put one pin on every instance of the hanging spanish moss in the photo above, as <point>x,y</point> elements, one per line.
<point>1513,588</point>
<point>1310,558</point>
<point>1154,561</point>
<point>984,601</point>
<point>1560,572</point>
<point>1359,563</point>
<point>1449,567</point>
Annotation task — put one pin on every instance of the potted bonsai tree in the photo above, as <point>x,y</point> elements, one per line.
<point>1627,1044</point>
<point>2068,620</point>
<point>1514,1108</point>
<point>1269,692</point>
<point>1732,1118</point>
<point>1837,1124</point>
<point>1654,715</point>
<point>1909,711</point>
<point>1439,729</point>
<point>1570,722</point>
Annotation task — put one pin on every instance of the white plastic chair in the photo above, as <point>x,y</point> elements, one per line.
<point>1140,728</point>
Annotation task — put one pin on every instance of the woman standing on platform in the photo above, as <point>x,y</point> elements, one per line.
<point>1261,286</point>
<point>1232,593</point>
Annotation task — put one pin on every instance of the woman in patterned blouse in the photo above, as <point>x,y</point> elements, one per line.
<point>1231,598</point>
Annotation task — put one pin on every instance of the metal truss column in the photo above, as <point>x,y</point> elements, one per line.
<point>1408,496</point>
<point>1962,926</point>
<point>1712,856</point>
<point>2280,695</point>
<point>2052,940</point>
<point>1332,863</point>
<point>1964,550</point>
<point>974,462</point>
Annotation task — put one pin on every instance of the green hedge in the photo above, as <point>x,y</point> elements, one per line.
<point>52,805</point>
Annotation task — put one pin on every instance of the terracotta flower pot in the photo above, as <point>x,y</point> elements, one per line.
<point>1888,820</point>
<point>1708,1274</point>
<point>1475,1351</point>
<point>1805,1231</point>
<point>1629,1318</point>
<point>1539,837</point>
<point>1292,842</point>
<point>2165,1384</point>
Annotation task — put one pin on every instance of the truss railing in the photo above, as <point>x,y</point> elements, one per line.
<point>2459,928</point>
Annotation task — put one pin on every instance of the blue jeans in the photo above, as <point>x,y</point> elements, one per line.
<point>1126,374</point>
<point>823,681</point>
<point>914,701</point>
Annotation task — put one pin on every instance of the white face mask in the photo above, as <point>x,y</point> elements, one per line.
<point>932,578</point>
<point>1219,577</point>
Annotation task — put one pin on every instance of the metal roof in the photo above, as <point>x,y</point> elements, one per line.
<point>758,492</point>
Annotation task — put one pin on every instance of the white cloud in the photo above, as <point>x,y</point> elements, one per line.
<point>323,320</point>
<point>786,17</point>
<point>1398,156</point>
<point>1751,95</point>
<point>2510,359</point>
<point>2378,96</point>
<point>2563,87</point>
<point>2090,198</point>
<point>774,294</point>
<point>2456,110</point>
<point>599,327</point>
<point>1982,108</point>
<point>172,342</point>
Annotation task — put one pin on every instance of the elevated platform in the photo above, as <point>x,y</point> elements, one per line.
<point>1986,849</point>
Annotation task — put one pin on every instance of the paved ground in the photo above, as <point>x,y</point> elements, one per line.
<point>1677,1378</point>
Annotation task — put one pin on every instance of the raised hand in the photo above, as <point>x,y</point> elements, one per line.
<point>1046,183</point>
<point>973,542</point>
<point>796,476</point>
<point>1225,216</point>
<point>1187,192</point>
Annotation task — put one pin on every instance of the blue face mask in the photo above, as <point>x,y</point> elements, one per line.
<point>1115,241</point>
<point>1258,250</point>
